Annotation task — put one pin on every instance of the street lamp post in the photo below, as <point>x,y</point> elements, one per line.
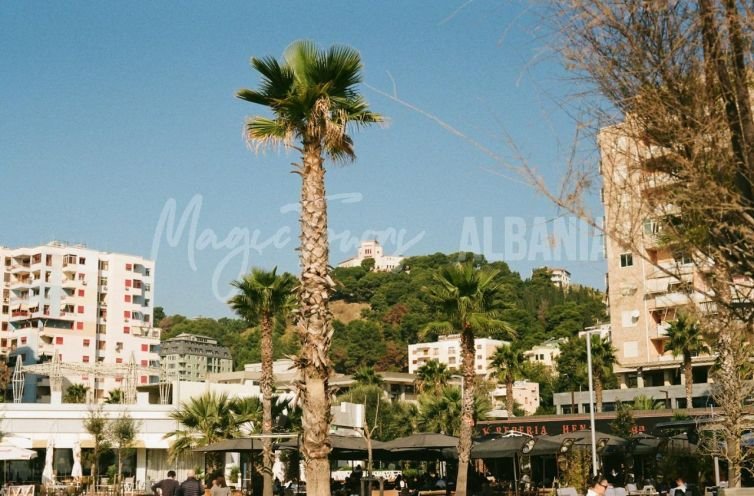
<point>591,401</point>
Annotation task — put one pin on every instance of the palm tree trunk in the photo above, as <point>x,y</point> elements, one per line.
<point>689,380</point>
<point>266,384</point>
<point>314,322</point>
<point>509,394</point>
<point>467,411</point>
<point>598,393</point>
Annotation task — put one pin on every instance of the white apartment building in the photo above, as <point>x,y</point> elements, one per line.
<point>545,353</point>
<point>191,357</point>
<point>372,249</point>
<point>643,299</point>
<point>525,393</point>
<point>560,277</point>
<point>86,306</point>
<point>447,350</point>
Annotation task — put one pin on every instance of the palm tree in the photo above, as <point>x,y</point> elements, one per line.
<point>76,393</point>
<point>432,376</point>
<point>685,338</point>
<point>463,294</point>
<point>603,359</point>
<point>367,376</point>
<point>114,397</point>
<point>509,363</point>
<point>263,297</point>
<point>313,98</point>
<point>204,420</point>
<point>441,412</point>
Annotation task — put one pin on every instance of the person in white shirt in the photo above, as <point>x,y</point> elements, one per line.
<point>680,487</point>
<point>599,487</point>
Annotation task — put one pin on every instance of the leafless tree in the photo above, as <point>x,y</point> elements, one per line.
<point>666,86</point>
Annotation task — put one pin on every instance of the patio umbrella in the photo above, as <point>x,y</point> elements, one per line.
<point>504,447</point>
<point>342,446</point>
<point>47,474</point>
<point>11,452</point>
<point>76,471</point>
<point>422,446</point>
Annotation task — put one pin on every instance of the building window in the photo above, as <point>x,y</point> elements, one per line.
<point>23,340</point>
<point>128,283</point>
<point>82,260</point>
<point>81,309</point>
<point>127,298</point>
<point>126,330</point>
<point>145,363</point>
<point>126,314</point>
<point>129,266</point>
<point>626,259</point>
<point>144,347</point>
<point>79,326</point>
<point>143,379</point>
<point>81,292</point>
<point>85,358</point>
<point>118,360</point>
<point>86,342</point>
<point>59,340</point>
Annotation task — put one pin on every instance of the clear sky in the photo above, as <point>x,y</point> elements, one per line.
<point>114,112</point>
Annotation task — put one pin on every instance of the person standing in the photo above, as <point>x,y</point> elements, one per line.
<point>167,487</point>
<point>220,488</point>
<point>599,487</point>
<point>191,486</point>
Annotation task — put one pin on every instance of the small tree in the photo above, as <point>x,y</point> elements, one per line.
<point>122,432</point>
<point>624,423</point>
<point>96,425</point>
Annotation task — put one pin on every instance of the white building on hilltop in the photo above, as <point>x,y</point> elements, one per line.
<point>85,306</point>
<point>546,353</point>
<point>372,249</point>
<point>447,350</point>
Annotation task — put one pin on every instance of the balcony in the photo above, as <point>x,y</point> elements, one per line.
<point>670,300</point>
<point>70,283</point>
<point>21,283</point>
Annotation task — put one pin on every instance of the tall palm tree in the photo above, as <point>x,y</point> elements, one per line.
<point>313,98</point>
<point>685,338</point>
<point>432,376</point>
<point>603,359</point>
<point>263,296</point>
<point>463,295</point>
<point>204,420</point>
<point>367,376</point>
<point>509,363</point>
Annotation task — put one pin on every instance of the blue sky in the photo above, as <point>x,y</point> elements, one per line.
<point>114,111</point>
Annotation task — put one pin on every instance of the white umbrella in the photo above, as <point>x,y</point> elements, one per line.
<point>10,452</point>
<point>47,473</point>
<point>76,472</point>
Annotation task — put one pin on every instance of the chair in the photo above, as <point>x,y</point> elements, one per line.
<point>128,485</point>
<point>21,490</point>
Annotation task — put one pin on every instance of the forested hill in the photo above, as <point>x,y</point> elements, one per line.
<point>379,313</point>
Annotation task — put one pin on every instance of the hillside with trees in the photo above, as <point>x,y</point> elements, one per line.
<point>395,307</point>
